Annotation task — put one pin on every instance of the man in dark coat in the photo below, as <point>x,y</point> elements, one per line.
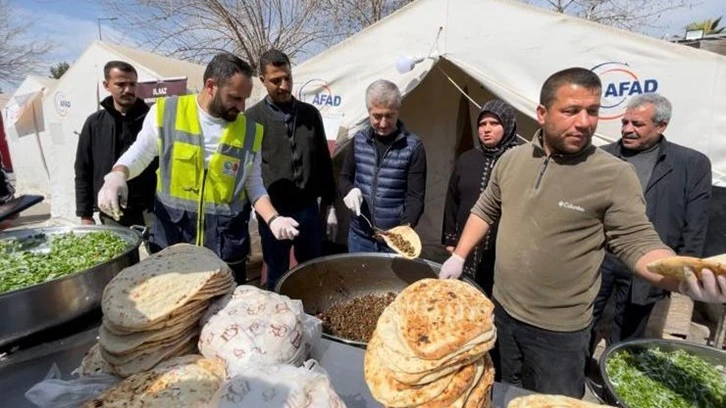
<point>296,168</point>
<point>676,183</point>
<point>105,136</point>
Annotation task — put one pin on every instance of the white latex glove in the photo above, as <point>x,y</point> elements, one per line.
<point>353,200</point>
<point>113,194</point>
<point>284,228</point>
<point>452,268</point>
<point>331,224</point>
<point>709,289</point>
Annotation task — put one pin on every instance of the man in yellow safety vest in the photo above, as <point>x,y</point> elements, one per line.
<point>209,168</point>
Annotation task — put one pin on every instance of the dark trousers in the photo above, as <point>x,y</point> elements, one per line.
<point>359,243</point>
<point>308,244</point>
<point>484,275</point>
<point>540,360</point>
<point>629,320</point>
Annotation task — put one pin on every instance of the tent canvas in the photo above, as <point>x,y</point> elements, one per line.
<point>24,123</point>
<point>61,110</point>
<point>495,48</point>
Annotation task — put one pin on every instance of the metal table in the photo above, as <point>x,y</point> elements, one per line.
<point>22,369</point>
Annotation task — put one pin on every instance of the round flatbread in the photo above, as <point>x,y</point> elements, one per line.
<point>409,369</point>
<point>437,317</point>
<point>128,343</point>
<point>152,358</point>
<point>551,401</point>
<point>392,393</point>
<point>480,396</point>
<point>404,240</point>
<point>93,363</point>
<point>675,266</point>
<point>150,291</point>
<point>187,381</point>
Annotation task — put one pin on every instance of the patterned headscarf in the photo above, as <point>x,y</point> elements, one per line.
<point>505,113</point>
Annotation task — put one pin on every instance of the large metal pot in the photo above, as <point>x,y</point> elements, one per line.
<point>324,281</point>
<point>32,309</point>
<point>709,354</point>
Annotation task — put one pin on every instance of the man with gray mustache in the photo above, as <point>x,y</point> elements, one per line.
<point>676,182</point>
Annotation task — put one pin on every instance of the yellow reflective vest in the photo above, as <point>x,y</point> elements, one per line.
<point>207,206</point>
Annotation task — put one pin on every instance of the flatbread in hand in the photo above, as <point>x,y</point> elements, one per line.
<point>404,240</point>
<point>674,266</point>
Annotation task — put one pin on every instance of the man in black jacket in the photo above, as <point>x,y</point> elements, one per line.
<point>676,183</point>
<point>296,168</point>
<point>106,135</point>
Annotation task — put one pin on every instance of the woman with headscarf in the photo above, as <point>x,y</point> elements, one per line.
<point>497,130</point>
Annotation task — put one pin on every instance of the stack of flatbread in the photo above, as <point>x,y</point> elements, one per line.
<point>151,310</point>
<point>551,401</point>
<point>186,381</point>
<point>430,348</point>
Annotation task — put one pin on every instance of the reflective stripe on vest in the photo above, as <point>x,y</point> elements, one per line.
<point>183,181</point>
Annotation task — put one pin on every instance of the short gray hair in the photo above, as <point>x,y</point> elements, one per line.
<point>662,106</point>
<point>383,92</point>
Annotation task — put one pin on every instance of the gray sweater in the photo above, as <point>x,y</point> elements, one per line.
<point>556,215</point>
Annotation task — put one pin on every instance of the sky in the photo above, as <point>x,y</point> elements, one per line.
<point>72,24</point>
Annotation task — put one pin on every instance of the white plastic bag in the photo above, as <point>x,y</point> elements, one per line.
<point>254,325</point>
<point>278,386</point>
<point>57,393</point>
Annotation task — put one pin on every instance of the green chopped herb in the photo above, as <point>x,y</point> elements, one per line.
<point>651,378</point>
<point>69,253</point>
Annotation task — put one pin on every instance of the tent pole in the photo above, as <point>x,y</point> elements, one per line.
<point>40,145</point>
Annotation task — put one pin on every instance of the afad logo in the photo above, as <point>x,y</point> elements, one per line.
<point>317,92</point>
<point>619,84</point>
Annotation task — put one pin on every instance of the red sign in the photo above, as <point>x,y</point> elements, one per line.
<point>150,90</point>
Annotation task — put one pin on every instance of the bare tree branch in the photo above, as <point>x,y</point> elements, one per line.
<point>633,15</point>
<point>198,29</point>
<point>19,54</point>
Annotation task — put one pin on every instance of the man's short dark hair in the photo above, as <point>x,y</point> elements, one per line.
<point>121,66</point>
<point>274,57</point>
<point>570,76</point>
<point>223,67</point>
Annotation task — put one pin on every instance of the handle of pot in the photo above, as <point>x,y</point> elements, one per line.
<point>142,230</point>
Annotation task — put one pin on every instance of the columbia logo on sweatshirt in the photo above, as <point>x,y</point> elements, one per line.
<point>570,206</point>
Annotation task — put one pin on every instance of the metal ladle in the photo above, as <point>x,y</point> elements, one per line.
<point>374,228</point>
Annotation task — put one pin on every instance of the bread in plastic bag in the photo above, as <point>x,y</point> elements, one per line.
<point>57,393</point>
<point>278,386</point>
<point>254,325</point>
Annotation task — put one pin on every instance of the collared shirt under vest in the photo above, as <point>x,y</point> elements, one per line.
<point>204,205</point>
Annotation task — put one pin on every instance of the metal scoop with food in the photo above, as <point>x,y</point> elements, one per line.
<point>402,239</point>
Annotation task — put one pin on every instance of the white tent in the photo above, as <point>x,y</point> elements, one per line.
<point>495,48</point>
<point>43,141</point>
<point>24,121</point>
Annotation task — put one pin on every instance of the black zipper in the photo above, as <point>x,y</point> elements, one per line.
<point>542,172</point>
<point>374,187</point>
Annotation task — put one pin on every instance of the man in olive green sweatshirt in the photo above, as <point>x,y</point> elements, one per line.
<point>560,201</point>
